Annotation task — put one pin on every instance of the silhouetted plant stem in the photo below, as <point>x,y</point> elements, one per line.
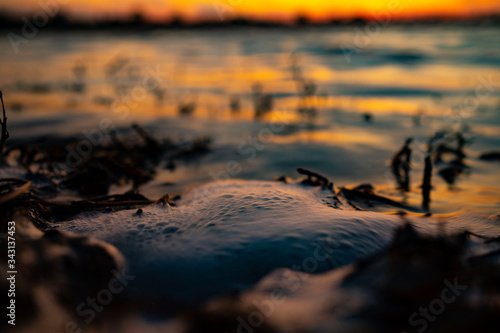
<point>406,170</point>
<point>426,183</point>
<point>3,123</point>
<point>401,166</point>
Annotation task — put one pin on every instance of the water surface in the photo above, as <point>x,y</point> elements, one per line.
<point>405,80</point>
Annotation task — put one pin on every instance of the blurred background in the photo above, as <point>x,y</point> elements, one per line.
<point>333,86</point>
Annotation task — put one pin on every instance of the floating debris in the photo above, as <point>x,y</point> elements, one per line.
<point>165,201</point>
<point>455,166</point>
<point>400,166</point>
<point>367,117</point>
<point>159,95</point>
<point>235,104</point>
<point>417,118</point>
<point>187,108</point>
<point>263,103</point>
<point>314,179</point>
<point>17,107</point>
<point>35,88</point>
<point>306,89</point>
<point>103,100</point>
<point>366,188</point>
<point>450,173</point>
<point>111,162</point>
<point>283,179</point>
<point>364,196</point>
<point>490,156</point>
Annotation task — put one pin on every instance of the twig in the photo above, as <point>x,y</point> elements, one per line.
<point>401,164</point>
<point>14,193</point>
<point>5,133</point>
<point>320,179</point>
<point>426,183</point>
<point>486,238</point>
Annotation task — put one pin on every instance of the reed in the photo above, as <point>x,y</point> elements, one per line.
<point>3,124</point>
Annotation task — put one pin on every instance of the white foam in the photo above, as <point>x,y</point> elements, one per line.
<point>226,236</point>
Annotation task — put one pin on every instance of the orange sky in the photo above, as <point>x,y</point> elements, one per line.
<point>278,9</point>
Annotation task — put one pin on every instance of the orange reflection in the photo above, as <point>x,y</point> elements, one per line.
<point>350,139</point>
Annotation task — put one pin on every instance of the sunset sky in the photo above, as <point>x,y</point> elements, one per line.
<point>268,9</point>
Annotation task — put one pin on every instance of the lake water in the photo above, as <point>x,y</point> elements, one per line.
<point>369,95</point>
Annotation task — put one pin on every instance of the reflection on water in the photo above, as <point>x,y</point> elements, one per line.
<point>275,100</point>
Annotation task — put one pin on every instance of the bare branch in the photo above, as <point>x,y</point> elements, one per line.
<point>3,123</point>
